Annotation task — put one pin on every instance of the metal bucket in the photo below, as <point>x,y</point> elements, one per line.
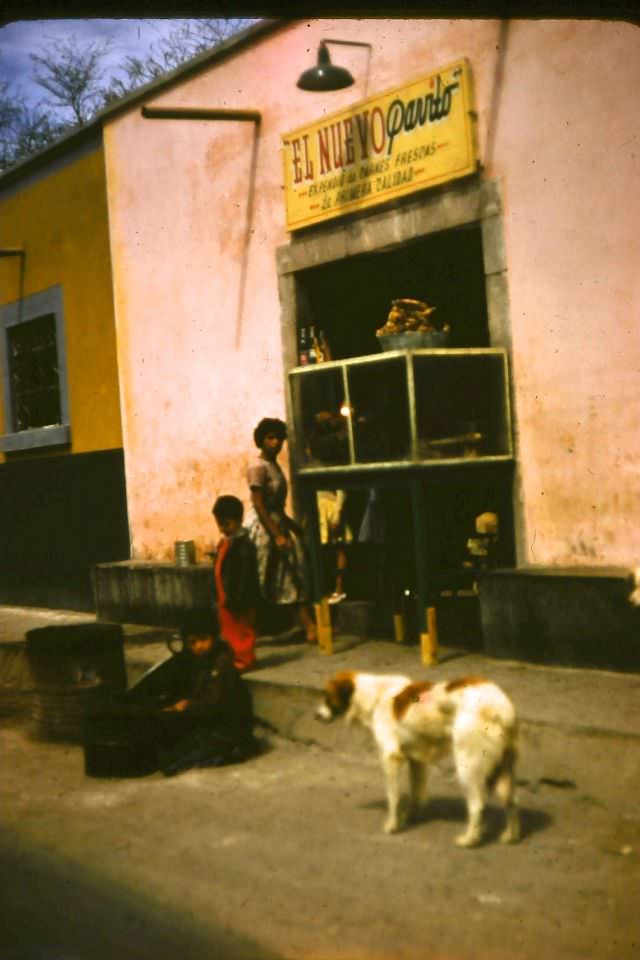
<point>185,552</point>
<point>120,743</point>
<point>414,340</point>
<point>73,668</point>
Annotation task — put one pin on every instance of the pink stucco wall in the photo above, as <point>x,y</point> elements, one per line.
<point>561,132</point>
<point>568,147</point>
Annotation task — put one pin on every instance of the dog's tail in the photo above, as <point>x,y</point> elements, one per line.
<point>485,733</point>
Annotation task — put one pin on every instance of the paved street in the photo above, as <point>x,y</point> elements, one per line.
<point>284,856</point>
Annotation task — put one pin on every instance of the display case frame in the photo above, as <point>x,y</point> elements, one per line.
<point>496,357</point>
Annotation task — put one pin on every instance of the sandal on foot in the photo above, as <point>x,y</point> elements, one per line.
<point>337,597</point>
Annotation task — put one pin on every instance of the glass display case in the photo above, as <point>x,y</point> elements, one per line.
<point>321,415</point>
<point>405,407</point>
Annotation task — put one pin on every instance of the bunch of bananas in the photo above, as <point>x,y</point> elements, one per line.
<point>409,315</point>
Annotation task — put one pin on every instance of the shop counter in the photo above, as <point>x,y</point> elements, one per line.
<point>425,407</point>
<point>427,431</point>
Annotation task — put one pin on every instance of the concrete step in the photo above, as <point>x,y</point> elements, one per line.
<point>580,728</point>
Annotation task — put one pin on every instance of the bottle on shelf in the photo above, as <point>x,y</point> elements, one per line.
<point>324,346</point>
<point>303,347</point>
<point>317,345</point>
<point>313,350</point>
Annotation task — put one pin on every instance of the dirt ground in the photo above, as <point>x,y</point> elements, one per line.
<point>284,856</point>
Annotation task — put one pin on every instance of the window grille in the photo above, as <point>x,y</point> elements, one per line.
<point>35,382</point>
<point>33,366</point>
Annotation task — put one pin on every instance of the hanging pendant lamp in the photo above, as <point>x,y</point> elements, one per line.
<point>325,75</point>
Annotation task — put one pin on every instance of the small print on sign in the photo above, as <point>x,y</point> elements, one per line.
<point>407,139</point>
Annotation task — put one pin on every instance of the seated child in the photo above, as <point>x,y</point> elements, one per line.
<point>213,701</point>
<point>192,709</point>
<point>237,584</point>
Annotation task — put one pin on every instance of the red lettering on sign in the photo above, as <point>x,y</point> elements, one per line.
<point>336,143</point>
<point>362,123</point>
<point>323,149</point>
<point>308,164</point>
<point>348,141</point>
<point>378,137</point>
<point>297,169</point>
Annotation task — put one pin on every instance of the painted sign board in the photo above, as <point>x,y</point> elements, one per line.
<point>390,145</point>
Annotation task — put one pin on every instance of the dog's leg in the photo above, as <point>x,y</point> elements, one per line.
<point>392,764</point>
<point>505,791</point>
<point>417,786</point>
<point>475,796</point>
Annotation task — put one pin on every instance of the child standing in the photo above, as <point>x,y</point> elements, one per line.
<point>237,584</point>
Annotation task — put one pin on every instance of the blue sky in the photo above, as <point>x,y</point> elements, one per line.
<point>19,39</point>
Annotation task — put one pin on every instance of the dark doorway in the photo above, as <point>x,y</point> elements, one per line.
<point>349,299</point>
<point>432,510</point>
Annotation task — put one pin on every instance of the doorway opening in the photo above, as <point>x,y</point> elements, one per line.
<point>428,510</point>
<point>349,299</point>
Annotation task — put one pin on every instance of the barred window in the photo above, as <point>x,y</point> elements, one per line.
<point>35,383</point>
<point>32,345</point>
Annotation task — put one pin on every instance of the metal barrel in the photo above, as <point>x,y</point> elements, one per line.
<point>74,668</point>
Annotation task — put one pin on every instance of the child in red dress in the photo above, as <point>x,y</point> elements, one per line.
<point>237,584</point>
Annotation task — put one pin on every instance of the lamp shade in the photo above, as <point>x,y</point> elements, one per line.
<point>325,75</point>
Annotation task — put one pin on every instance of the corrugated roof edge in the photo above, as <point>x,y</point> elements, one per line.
<point>227,48</point>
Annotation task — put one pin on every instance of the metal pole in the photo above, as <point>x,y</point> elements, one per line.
<point>199,113</point>
<point>419,529</point>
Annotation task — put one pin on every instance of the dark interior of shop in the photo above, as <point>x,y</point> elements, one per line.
<point>381,566</point>
<point>349,300</point>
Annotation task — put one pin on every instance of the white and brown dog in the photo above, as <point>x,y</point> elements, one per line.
<point>421,723</point>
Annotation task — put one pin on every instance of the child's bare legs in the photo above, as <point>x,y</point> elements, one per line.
<point>341,566</point>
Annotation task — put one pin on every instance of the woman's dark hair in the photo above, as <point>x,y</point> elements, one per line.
<point>269,425</point>
<point>228,507</point>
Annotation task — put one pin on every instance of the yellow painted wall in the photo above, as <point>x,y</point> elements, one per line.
<point>61,221</point>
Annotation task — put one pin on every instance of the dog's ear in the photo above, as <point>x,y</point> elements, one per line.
<point>339,691</point>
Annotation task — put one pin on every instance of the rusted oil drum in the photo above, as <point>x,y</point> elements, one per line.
<point>124,739</point>
<point>75,668</point>
<point>59,712</point>
<point>120,742</point>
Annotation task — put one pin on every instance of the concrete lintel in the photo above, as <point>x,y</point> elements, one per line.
<point>444,209</point>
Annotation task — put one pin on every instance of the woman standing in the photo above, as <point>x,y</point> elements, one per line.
<point>281,566</point>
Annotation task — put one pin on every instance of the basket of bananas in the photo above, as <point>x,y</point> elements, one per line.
<point>411,324</point>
